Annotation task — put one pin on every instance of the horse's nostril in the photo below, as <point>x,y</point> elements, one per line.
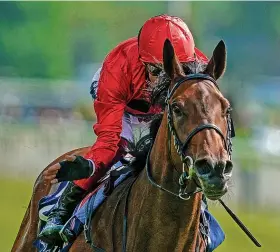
<point>203,166</point>
<point>228,168</point>
<point>223,168</point>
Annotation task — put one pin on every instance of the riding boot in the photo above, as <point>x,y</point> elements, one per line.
<point>61,212</point>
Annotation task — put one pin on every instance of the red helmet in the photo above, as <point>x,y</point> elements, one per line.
<point>156,30</point>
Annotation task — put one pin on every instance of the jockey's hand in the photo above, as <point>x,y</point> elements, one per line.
<point>72,168</point>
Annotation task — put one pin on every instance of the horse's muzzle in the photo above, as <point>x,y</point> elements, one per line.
<point>213,176</point>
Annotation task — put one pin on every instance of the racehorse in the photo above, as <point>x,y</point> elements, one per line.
<point>190,157</point>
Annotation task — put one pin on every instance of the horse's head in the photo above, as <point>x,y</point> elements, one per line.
<point>199,120</point>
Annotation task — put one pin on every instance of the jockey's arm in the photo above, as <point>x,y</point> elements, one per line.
<point>112,96</point>
<point>109,105</point>
<point>114,93</point>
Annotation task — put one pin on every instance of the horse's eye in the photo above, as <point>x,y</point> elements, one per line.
<point>177,111</point>
<point>228,111</point>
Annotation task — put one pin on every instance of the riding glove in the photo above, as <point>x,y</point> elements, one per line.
<point>80,168</point>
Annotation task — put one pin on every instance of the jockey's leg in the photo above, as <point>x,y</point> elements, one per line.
<point>61,212</point>
<point>69,199</point>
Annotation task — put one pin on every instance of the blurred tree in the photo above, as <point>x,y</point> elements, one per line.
<point>52,39</point>
<point>248,29</point>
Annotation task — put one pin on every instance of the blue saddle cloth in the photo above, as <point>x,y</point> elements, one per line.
<point>215,233</point>
<point>212,229</point>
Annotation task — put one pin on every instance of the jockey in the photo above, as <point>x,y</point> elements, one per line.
<point>121,92</point>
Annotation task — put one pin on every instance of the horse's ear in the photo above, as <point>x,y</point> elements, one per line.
<point>217,64</point>
<point>171,66</point>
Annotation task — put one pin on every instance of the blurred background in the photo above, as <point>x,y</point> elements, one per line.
<point>49,52</point>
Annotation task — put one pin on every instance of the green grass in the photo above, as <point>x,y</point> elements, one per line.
<point>14,196</point>
<point>265,226</point>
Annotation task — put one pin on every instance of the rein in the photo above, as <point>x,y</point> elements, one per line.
<point>187,160</point>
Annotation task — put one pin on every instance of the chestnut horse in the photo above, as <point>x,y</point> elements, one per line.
<point>164,206</point>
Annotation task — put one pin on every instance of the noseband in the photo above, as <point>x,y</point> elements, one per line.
<point>182,147</point>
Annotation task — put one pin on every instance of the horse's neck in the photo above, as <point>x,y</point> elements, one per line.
<point>162,216</point>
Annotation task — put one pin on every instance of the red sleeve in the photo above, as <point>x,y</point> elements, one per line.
<point>112,97</point>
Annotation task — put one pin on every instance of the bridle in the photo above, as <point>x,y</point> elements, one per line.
<point>187,160</point>
<point>182,147</point>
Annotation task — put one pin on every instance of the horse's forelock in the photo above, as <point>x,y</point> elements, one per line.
<point>194,67</point>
